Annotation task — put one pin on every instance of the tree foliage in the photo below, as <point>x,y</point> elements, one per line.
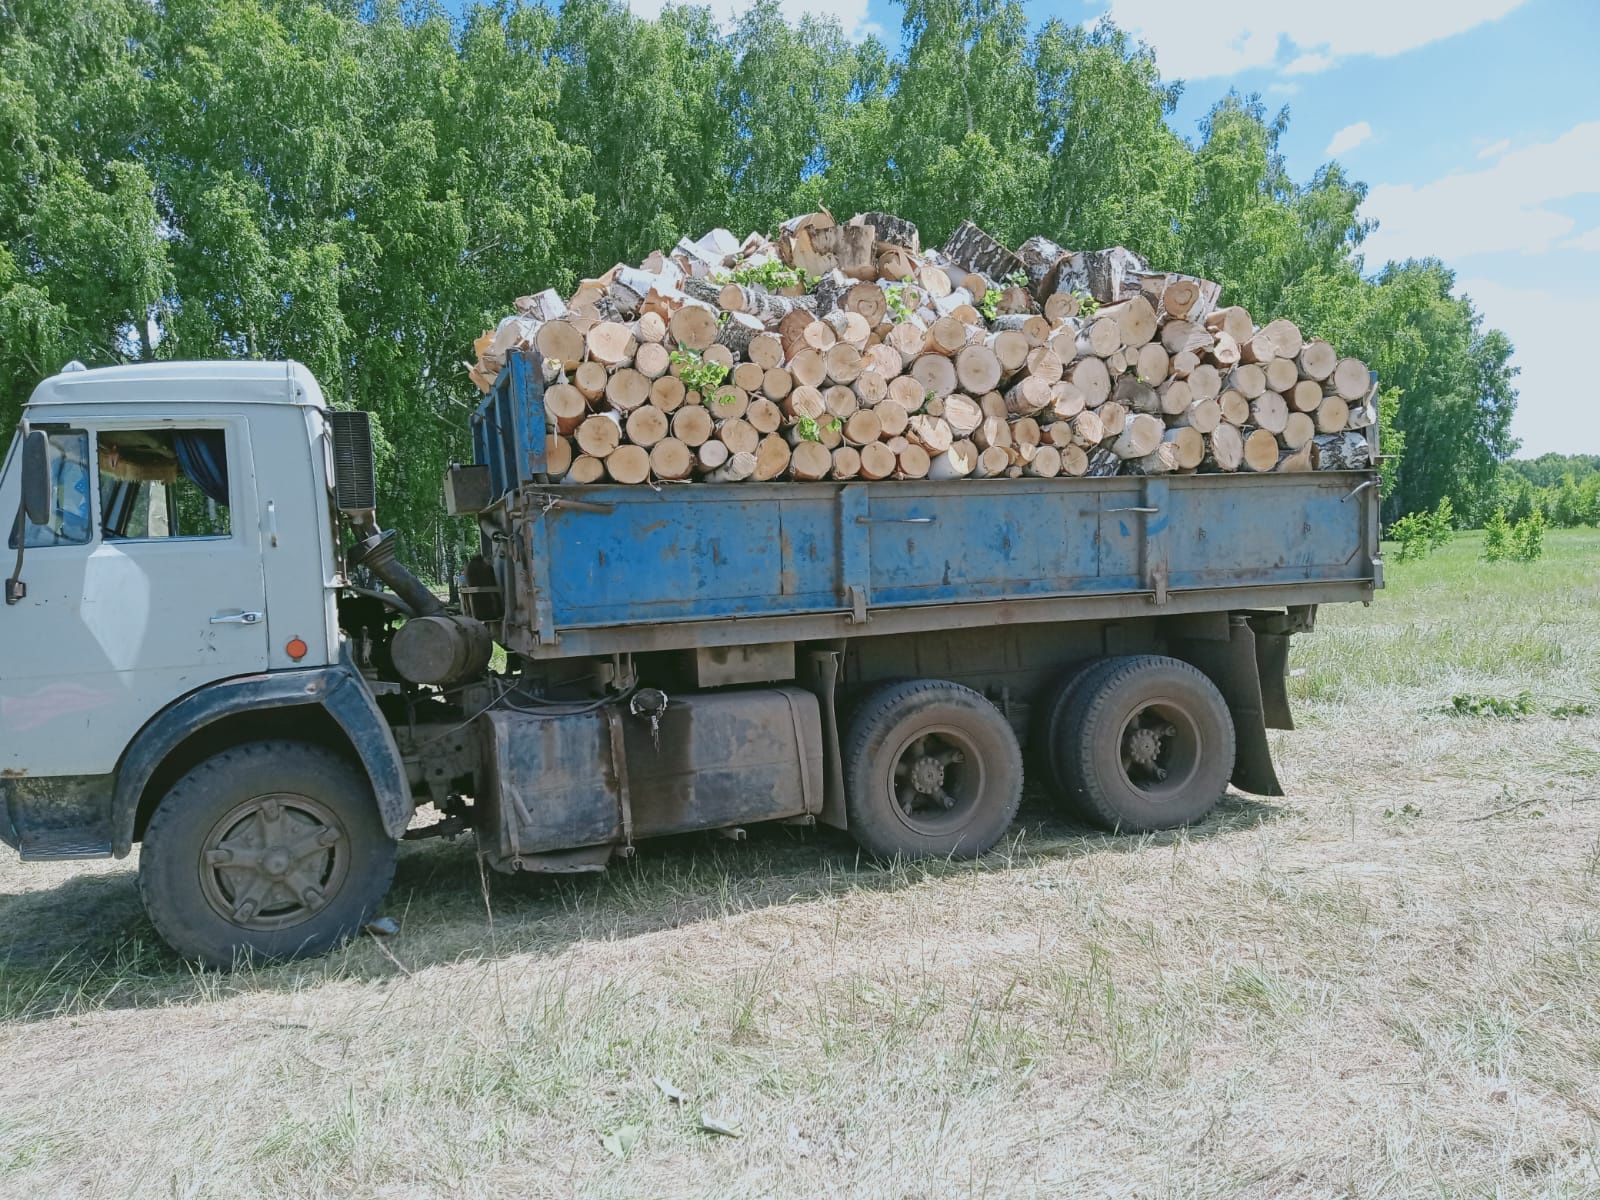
<point>365,184</point>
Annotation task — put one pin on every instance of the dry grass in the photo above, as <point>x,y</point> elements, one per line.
<point>1386,985</point>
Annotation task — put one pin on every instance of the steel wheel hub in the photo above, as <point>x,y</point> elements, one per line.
<point>274,861</point>
<point>931,778</point>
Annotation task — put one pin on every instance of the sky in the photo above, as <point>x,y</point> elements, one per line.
<point>1474,122</point>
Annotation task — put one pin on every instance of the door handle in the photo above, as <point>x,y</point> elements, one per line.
<point>244,618</point>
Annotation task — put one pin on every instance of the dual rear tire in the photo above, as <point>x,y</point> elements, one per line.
<point>1131,744</point>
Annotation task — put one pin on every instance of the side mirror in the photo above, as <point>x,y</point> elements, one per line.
<point>36,490</point>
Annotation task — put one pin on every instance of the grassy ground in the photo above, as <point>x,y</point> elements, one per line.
<point>1387,984</point>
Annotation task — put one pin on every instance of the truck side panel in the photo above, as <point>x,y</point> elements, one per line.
<point>625,557</point>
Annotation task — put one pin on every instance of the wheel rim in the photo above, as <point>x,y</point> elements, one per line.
<point>274,861</point>
<point>936,779</point>
<point>1160,749</point>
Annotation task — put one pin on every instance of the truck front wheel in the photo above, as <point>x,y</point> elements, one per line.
<point>1145,742</point>
<point>270,850</point>
<point>932,769</point>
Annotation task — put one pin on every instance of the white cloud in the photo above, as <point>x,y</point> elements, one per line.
<point>1503,207</point>
<point>1551,413</point>
<point>851,14</point>
<point>1307,64</point>
<point>1348,138</point>
<point>1198,41</point>
<point>1584,241</point>
<point>1495,149</point>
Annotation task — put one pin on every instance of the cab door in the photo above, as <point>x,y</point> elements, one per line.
<point>147,586</point>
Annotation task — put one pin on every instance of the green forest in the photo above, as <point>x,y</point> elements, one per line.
<point>365,187</point>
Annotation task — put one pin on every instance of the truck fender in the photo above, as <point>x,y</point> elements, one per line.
<point>337,690</point>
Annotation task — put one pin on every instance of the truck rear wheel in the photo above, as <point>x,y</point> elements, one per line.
<point>931,769</point>
<point>1146,742</point>
<point>1046,747</point>
<point>270,850</point>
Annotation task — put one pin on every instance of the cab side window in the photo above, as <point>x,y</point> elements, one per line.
<point>69,485</point>
<point>164,483</point>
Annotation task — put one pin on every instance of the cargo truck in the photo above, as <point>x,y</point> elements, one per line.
<point>210,648</point>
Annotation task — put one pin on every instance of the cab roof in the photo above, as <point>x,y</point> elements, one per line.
<point>213,382</point>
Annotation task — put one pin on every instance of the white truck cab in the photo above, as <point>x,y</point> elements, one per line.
<point>175,598</point>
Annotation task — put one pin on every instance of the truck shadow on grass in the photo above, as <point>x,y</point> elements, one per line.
<point>86,945</point>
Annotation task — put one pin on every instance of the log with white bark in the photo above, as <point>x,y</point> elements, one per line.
<point>1108,275</point>
<point>1136,396</point>
<point>972,248</point>
<point>889,228</point>
<point>1341,452</point>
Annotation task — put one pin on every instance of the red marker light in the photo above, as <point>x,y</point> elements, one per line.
<point>296,649</point>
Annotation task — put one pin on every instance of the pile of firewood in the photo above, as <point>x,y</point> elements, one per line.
<point>849,352</point>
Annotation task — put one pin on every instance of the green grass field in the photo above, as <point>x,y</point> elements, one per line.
<point>1385,984</point>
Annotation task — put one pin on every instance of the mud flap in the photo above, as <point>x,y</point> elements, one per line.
<point>1235,667</point>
